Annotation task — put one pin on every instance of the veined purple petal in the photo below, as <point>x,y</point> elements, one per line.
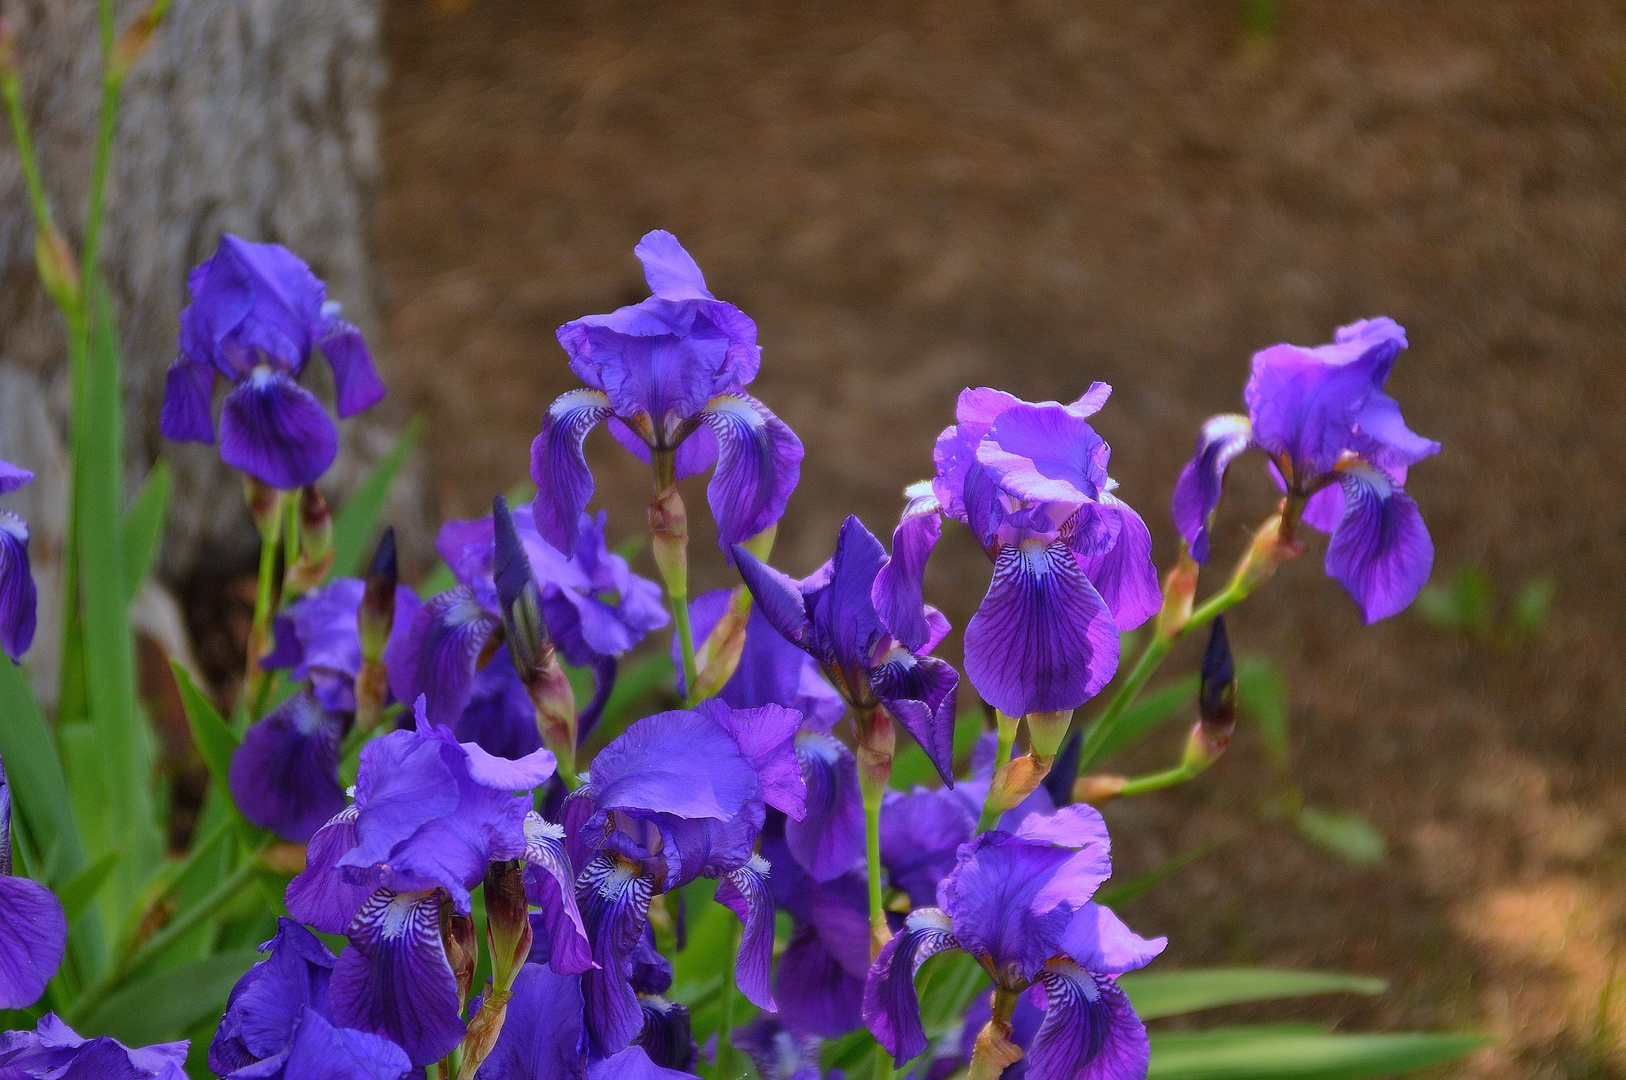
<point>1090,1031</point>
<point>1202,481</point>
<point>766,735</point>
<point>920,834</point>
<point>1123,574</point>
<point>320,1051</point>
<point>1098,941</point>
<point>1045,453</point>
<point>318,895</point>
<point>285,775</point>
<point>759,460</point>
<point>815,990</point>
<point>403,783</point>
<point>276,431</point>
<point>542,1035</point>
<point>188,387</point>
<point>677,762</point>
<point>845,623</point>
<point>695,454</point>
<point>355,381</point>
<point>55,1050</point>
<point>564,484</point>
<point>614,902</point>
<point>394,979</point>
<point>631,1064</point>
<point>898,593</point>
<point>1381,550</point>
<point>777,1051</point>
<point>550,884</point>
<point>745,892</point>
<point>919,692</point>
<point>955,454</point>
<point>891,1006</point>
<point>829,840</point>
<point>33,934</point>
<point>19,598</point>
<point>250,299</point>
<point>655,382</point>
<point>1042,640</point>
<point>1092,400</point>
<point>266,1004</point>
<point>439,655</point>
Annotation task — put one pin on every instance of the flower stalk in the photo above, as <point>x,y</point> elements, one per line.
<point>877,740</point>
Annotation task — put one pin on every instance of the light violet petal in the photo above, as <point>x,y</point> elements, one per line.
<point>1202,481</point>
<point>1099,941</point>
<point>550,886</point>
<point>891,1006</point>
<point>33,934</point>
<point>898,593</point>
<point>1123,574</point>
<point>671,272</point>
<point>759,460</point>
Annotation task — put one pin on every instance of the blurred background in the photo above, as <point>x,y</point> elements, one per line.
<point>912,198</point>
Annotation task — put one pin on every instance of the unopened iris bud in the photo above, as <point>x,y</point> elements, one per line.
<point>1046,730</point>
<point>719,655</point>
<point>1269,550</point>
<point>669,528</point>
<point>58,269</point>
<point>1179,590</point>
<point>462,949</point>
<point>264,506</point>
<point>529,646</point>
<point>1096,790</point>
<point>315,557</point>
<point>508,922</point>
<point>1216,702</point>
<point>481,1037</point>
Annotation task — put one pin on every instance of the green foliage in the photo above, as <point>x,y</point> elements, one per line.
<point>356,525</point>
<point>1156,994</point>
<point>1295,1053</point>
<point>169,1003</point>
<point>217,743</point>
<point>144,527</point>
<point>1349,836</point>
<point>1470,607</point>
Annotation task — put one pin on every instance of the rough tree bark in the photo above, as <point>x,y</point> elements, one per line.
<point>251,116</point>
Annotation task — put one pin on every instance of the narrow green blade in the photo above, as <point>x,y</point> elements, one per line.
<point>79,891</point>
<point>357,521</point>
<point>1275,1054</point>
<point>216,743</point>
<point>143,527</point>
<point>1173,993</point>
<point>164,1006</point>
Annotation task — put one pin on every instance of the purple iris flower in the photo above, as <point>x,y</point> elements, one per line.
<point>678,795</point>
<point>257,312</point>
<point>316,640</point>
<point>871,633</point>
<point>279,1021</point>
<point>1072,562</point>
<point>54,1051</point>
<point>18,598</point>
<point>596,609</point>
<point>668,1034</point>
<point>669,374</point>
<point>778,1052</point>
<point>543,1033</point>
<point>772,671</point>
<point>1340,449</point>
<point>430,815</point>
<point>33,930</point>
<point>1020,904</point>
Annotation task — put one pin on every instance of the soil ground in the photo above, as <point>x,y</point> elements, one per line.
<point>915,197</point>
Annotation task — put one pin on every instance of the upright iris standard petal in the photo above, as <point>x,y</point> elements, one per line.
<point>285,775</point>
<point>1090,1031</point>
<point>759,460</point>
<point>19,599</point>
<point>394,979</point>
<point>1042,640</point>
<point>679,763</point>
<point>1045,453</point>
<point>1202,480</point>
<point>920,834</point>
<point>829,840</point>
<point>542,1035</point>
<point>1381,551</point>
<point>275,430</point>
<point>766,735</point>
<point>745,892</point>
<point>891,1006</point>
<point>899,587</point>
<point>1304,402</point>
<point>564,483</point>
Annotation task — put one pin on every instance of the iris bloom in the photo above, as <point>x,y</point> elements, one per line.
<point>1072,562</point>
<point>257,314</point>
<point>778,1052</point>
<point>430,816</point>
<point>1019,902</point>
<point>18,597</point>
<point>1341,450</point>
<point>279,1021</point>
<point>595,607</point>
<point>861,616</point>
<point>678,795</point>
<point>669,374</point>
<point>33,930</point>
<point>54,1051</point>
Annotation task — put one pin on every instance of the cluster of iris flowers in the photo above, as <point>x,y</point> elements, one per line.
<point>462,727</point>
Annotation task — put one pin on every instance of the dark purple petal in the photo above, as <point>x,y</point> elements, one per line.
<point>500,716</point>
<point>777,1051</point>
<point>251,302</point>
<point>779,598</point>
<point>318,895</point>
<point>816,992</point>
<point>1100,942</point>
<point>920,834</point>
<point>614,901</point>
<point>1381,550</point>
<point>394,979</point>
<point>1090,1031</point>
<point>355,381</point>
<point>542,1035</point>
<point>1123,575</point>
<point>266,1004</point>
<point>759,460</point>
<point>830,838</point>
<point>1202,481</point>
<point>285,775</point>
<point>843,609</point>
<point>632,1064</point>
<point>1045,453</point>
<point>898,593</point>
<point>745,892</point>
<point>188,387</point>
<point>19,598</point>
<point>656,382</point>
<point>550,885</point>
<point>919,691</point>
<point>276,431</point>
<point>33,933</point>
<point>438,656</point>
<point>1042,639</point>
<point>891,1006</point>
<point>766,735</point>
<point>321,1051</point>
<point>564,483</point>
<point>677,762</point>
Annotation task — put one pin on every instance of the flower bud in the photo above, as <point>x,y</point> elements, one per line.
<point>1046,730</point>
<point>669,528</point>
<point>508,922</point>
<point>529,646</point>
<point>877,742</point>
<point>1096,790</point>
<point>315,557</point>
<point>719,655</point>
<point>1015,781</point>
<point>1216,702</point>
<point>1179,590</point>
<point>264,506</point>
<point>58,269</point>
<point>134,41</point>
<point>376,617</point>
<point>462,949</point>
<point>1268,551</point>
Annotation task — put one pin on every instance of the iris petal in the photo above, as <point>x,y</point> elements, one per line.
<point>276,431</point>
<point>1381,550</point>
<point>759,460</point>
<point>188,387</point>
<point>1090,1031</point>
<point>33,934</point>
<point>1202,481</point>
<point>745,892</point>
<point>564,483</point>
<point>285,775</point>
<point>891,1006</point>
<point>19,597</point>
<point>830,839</point>
<point>1124,574</point>
<point>614,901</point>
<point>394,979</point>
<point>318,896</point>
<point>550,886</point>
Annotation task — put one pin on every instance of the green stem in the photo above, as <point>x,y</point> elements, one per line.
<point>685,636</point>
<point>991,810</point>
<point>254,679</point>
<point>725,1023</point>
<point>290,540</point>
<point>25,154</point>
<point>200,849</point>
<point>1157,781</point>
<point>872,863</point>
